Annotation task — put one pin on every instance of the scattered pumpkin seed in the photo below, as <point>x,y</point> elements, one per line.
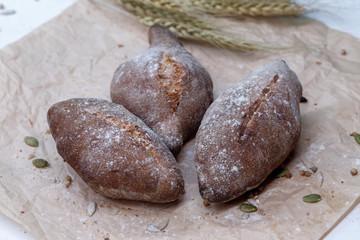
<point>247,207</point>
<point>312,198</point>
<point>152,228</point>
<point>282,173</point>
<point>163,224</point>
<point>353,171</point>
<point>40,163</point>
<point>320,178</point>
<point>357,138</point>
<point>91,208</point>
<point>31,141</point>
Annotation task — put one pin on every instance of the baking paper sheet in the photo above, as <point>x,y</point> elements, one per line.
<point>75,55</point>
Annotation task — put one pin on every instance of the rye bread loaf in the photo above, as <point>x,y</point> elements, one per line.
<point>247,132</point>
<point>166,87</point>
<point>114,152</point>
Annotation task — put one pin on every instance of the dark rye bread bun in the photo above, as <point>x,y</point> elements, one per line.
<point>114,152</point>
<point>247,132</point>
<point>166,87</point>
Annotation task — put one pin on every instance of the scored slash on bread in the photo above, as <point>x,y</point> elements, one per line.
<point>247,132</point>
<point>114,152</point>
<point>166,87</point>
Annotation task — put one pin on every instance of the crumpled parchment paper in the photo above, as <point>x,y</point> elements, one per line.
<point>75,55</point>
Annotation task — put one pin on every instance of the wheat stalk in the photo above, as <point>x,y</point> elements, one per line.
<point>187,26</point>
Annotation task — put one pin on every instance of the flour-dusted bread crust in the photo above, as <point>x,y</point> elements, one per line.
<point>114,152</point>
<point>247,132</point>
<point>166,87</point>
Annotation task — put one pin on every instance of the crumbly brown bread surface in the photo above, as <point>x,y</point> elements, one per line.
<point>166,87</point>
<point>114,152</point>
<point>247,132</point>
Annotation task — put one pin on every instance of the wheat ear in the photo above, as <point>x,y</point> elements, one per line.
<point>188,26</point>
<point>255,8</point>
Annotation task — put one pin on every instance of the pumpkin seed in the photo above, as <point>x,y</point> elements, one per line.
<point>40,163</point>
<point>247,207</point>
<point>357,138</point>
<point>152,228</point>
<point>312,198</point>
<point>91,208</point>
<point>163,224</point>
<point>282,173</point>
<point>320,178</point>
<point>31,141</point>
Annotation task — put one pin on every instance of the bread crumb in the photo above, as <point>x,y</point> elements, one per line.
<point>288,175</point>
<point>120,45</point>
<point>68,181</point>
<point>31,156</point>
<point>206,203</point>
<point>343,52</point>
<point>353,171</point>
<point>250,194</point>
<point>31,123</point>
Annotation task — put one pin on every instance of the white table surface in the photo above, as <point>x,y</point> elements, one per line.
<point>343,15</point>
